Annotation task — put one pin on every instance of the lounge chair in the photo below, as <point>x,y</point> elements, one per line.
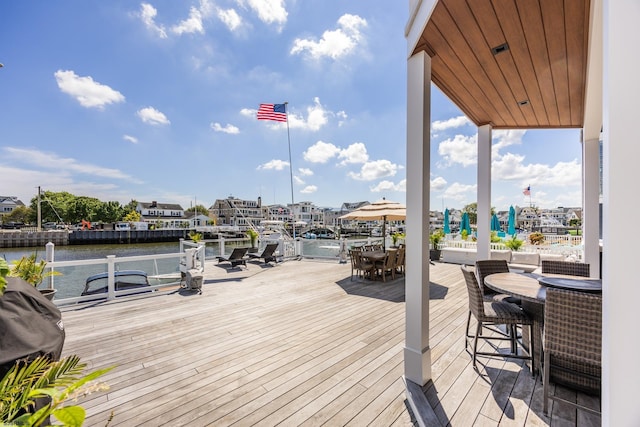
<point>237,257</point>
<point>267,254</point>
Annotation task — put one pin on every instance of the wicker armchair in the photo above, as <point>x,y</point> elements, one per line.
<point>565,267</point>
<point>495,312</point>
<point>572,343</point>
<point>492,266</point>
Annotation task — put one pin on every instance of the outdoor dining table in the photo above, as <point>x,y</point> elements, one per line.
<point>378,256</point>
<point>531,288</point>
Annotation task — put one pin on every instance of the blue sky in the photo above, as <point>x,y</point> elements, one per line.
<point>157,100</point>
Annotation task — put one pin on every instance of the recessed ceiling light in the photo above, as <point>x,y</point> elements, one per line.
<point>525,102</point>
<point>499,49</point>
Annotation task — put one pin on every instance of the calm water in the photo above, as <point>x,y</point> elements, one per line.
<point>72,279</point>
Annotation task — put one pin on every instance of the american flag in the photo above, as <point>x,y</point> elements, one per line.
<point>275,112</point>
<point>527,191</point>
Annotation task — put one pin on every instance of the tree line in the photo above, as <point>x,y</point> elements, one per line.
<point>67,208</point>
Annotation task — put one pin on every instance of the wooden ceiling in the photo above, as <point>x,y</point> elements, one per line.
<point>536,80</point>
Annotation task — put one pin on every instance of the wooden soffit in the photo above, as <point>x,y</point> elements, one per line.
<point>511,63</point>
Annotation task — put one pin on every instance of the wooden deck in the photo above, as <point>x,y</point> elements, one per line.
<point>294,344</point>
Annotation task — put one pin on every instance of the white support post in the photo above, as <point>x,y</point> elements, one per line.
<point>621,151</point>
<point>417,353</point>
<point>591,203</point>
<point>484,193</point>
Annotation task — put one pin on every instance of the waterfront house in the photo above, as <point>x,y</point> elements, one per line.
<point>161,215</point>
<point>237,212</point>
<point>531,65</point>
<point>8,204</point>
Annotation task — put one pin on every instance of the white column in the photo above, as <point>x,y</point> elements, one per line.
<point>417,354</point>
<point>621,293</point>
<point>591,205</point>
<point>484,192</point>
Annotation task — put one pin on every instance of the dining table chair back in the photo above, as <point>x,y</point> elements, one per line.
<point>565,267</point>
<point>572,344</point>
<point>388,265</point>
<point>400,255</point>
<point>486,267</point>
<point>493,313</point>
<point>356,260</point>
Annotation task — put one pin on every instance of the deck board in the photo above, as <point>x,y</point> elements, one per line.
<point>299,343</point>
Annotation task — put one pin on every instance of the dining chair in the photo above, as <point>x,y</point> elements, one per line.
<point>565,267</point>
<point>355,261</point>
<point>364,266</point>
<point>400,259</point>
<point>572,344</point>
<point>387,265</point>
<point>493,312</point>
<point>486,267</point>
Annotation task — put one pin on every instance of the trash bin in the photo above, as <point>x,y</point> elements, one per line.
<point>193,280</point>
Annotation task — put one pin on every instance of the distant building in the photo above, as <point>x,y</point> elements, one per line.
<point>162,215</point>
<point>8,204</point>
<point>236,212</point>
<point>308,213</point>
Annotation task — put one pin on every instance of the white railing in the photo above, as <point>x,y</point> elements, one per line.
<point>191,257</point>
<point>567,245</point>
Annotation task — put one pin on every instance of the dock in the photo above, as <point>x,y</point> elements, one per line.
<point>297,343</point>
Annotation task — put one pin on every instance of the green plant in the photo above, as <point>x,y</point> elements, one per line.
<point>435,238</point>
<point>253,236</point>
<point>196,237</point>
<point>514,243</point>
<point>4,270</point>
<point>59,381</point>
<point>397,236</point>
<point>31,270</point>
<point>536,238</point>
<point>464,234</point>
<point>495,238</point>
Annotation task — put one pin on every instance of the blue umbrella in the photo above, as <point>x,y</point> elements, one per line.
<point>495,223</point>
<point>447,230</point>
<point>465,224</point>
<point>512,221</point>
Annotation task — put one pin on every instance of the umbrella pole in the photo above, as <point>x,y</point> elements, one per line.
<point>384,233</point>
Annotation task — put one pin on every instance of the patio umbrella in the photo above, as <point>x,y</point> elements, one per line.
<point>512,221</point>
<point>446,229</point>
<point>465,224</point>
<point>383,210</point>
<point>495,223</point>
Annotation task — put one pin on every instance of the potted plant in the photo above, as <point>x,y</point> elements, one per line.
<point>397,236</point>
<point>434,238</point>
<point>4,270</point>
<point>32,272</point>
<point>514,243</point>
<point>253,237</point>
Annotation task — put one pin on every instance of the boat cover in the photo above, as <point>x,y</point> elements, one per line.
<point>30,325</point>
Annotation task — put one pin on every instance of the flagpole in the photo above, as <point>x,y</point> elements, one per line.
<point>293,224</point>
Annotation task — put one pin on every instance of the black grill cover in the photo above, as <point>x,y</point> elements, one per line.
<point>30,325</point>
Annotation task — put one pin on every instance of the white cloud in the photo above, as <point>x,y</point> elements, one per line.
<point>44,160</point>
<point>377,169</point>
<point>230,129</point>
<point>321,152</point>
<point>230,18</point>
<point>269,11</point>
<point>438,183</point>
<point>130,138</point>
<point>511,167</point>
<point>454,122</point>
<point>354,153</point>
<point>309,189</point>
<point>461,149</point>
<point>386,186</point>
<point>305,171</point>
<point>298,180</point>
<point>277,165</point>
<point>506,138</point>
<point>460,192</point>
<point>152,116</point>
<point>86,91</point>
<point>193,24</point>
<point>333,44</point>
<point>148,14</point>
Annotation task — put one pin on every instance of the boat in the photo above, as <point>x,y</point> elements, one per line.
<point>124,280</point>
